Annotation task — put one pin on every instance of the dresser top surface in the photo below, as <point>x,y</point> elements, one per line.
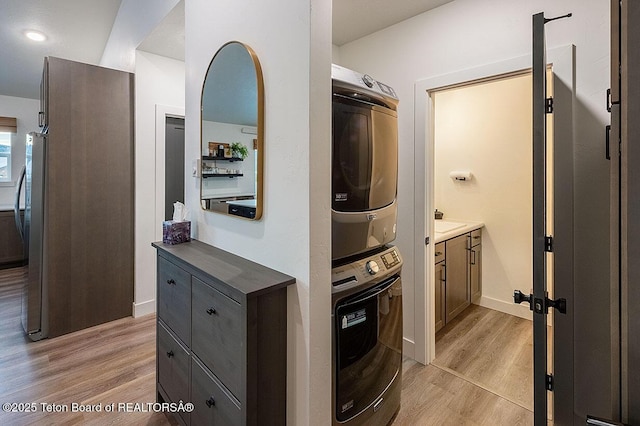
<point>245,276</point>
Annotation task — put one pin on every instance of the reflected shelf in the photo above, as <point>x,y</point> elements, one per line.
<point>231,159</point>
<point>230,175</point>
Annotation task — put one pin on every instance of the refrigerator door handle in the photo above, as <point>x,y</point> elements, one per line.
<point>16,208</point>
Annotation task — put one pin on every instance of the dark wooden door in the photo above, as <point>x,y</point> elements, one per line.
<point>624,152</point>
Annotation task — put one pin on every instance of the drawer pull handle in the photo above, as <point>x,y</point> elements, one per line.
<point>438,253</point>
<point>211,311</point>
<point>211,402</point>
<point>170,354</point>
<point>171,281</point>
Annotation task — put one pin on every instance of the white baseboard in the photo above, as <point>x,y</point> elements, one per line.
<point>408,348</point>
<point>144,308</point>
<point>510,308</point>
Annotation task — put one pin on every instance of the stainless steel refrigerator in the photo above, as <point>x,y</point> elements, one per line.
<point>78,184</point>
<point>32,307</point>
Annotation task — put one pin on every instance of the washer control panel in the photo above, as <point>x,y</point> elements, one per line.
<point>390,259</point>
<point>373,267</point>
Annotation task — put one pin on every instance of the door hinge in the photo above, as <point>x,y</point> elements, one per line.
<point>548,243</point>
<point>610,103</point>
<point>548,105</point>
<point>426,241</point>
<point>549,382</point>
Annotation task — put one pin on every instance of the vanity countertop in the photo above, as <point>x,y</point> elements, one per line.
<point>447,229</point>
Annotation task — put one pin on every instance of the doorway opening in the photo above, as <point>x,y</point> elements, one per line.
<point>173,164</point>
<point>483,129</point>
<point>561,335</point>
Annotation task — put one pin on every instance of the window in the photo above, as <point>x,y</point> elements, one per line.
<point>5,156</point>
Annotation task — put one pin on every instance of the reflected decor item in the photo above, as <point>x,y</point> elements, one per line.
<point>232,104</point>
<point>239,150</point>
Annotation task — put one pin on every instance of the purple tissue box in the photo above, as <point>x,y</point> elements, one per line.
<point>176,232</point>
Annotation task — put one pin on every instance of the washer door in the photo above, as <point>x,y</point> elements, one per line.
<point>368,329</point>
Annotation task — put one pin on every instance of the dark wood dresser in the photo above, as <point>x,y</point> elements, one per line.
<point>221,336</point>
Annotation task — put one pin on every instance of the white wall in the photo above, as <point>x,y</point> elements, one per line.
<point>292,41</point>
<point>26,113</point>
<point>159,83</point>
<point>485,128</point>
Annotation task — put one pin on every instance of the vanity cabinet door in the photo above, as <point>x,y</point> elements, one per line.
<point>173,368</point>
<point>475,271</point>
<point>439,252</point>
<point>212,404</point>
<point>174,298</point>
<point>217,334</point>
<point>457,286</point>
<point>475,263</point>
<point>440,292</point>
<point>440,284</point>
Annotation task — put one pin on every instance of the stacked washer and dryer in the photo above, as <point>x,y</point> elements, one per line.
<point>366,283</point>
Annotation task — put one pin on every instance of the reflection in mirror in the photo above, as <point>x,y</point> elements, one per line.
<point>232,132</point>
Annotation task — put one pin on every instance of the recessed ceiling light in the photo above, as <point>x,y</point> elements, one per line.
<point>35,35</point>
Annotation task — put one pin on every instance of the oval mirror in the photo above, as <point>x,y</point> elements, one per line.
<point>232,132</point>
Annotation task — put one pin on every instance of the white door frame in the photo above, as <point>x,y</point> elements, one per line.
<point>562,59</point>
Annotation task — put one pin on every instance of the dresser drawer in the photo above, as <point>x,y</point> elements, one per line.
<point>439,252</point>
<point>212,404</point>
<point>217,334</point>
<point>475,238</point>
<point>174,298</point>
<point>173,368</point>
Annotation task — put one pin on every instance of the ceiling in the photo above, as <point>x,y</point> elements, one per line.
<point>79,30</point>
<point>76,30</point>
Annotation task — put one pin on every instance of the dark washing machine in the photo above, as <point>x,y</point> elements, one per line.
<point>367,337</point>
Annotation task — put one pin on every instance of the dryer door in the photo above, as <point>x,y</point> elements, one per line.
<point>365,155</point>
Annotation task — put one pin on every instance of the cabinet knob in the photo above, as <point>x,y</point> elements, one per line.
<point>170,354</point>
<point>210,402</point>
<point>211,311</point>
<point>171,281</point>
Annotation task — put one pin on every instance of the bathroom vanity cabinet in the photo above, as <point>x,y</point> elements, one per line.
<point>458,275</point>
<point>221,336</point>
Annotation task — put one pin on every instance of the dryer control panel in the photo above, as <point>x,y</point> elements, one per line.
<point>345,77</point>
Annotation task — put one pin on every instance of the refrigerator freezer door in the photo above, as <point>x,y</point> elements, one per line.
<point>34,232</point>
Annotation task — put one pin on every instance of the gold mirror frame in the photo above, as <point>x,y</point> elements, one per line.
<point>220,204</point>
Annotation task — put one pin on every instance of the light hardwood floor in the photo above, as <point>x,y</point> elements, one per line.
<point>491,349</point>
<point>115,362</point>
<point>481,374</point>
